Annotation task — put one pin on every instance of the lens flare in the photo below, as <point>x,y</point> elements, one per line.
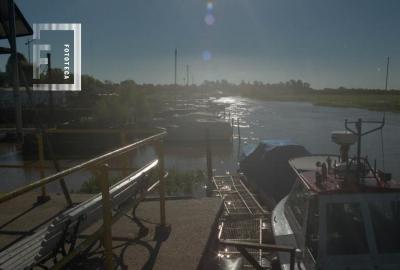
<point>209,19</point>
<point>206,55</point>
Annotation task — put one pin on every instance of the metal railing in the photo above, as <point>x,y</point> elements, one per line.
<point>40,163</point>
<point>242,247</point>
<point>99,162</point>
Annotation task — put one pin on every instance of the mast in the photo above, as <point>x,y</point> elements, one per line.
<point>359,133</point>
<point>28,43</point>
<point>51,99</point>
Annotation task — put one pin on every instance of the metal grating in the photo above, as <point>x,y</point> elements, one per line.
<point>239,201</point>
<point>244,219</point>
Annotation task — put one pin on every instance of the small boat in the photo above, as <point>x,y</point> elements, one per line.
<point>341,213</point>
<point>269,160</point>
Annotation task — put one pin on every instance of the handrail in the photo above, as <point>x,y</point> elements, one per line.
<point>242,245</point>
<point>90,163</point>
<point>83,130</point>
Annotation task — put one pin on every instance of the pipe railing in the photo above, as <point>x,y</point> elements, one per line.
<point>87,164</point>
<point>241,246</point>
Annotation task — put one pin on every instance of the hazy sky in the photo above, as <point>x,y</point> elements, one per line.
<point>328,43</point>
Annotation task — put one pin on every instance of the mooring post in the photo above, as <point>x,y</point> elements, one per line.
<point>238,127</point>
<point>102,182</point>
<point>125,157</point>
<point>209,164</point>
<point>232,125</point>
<point>43,197</point>
<point>292,259</point>
<point>161,187</point>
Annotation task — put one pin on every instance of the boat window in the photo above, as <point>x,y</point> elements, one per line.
<point>385,216</point>
<point>345,229</point>
<point>312,234</point>
<point>298,201</point>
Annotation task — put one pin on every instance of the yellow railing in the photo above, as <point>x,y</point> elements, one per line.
<point>100,163</point>
<point>40,164</point>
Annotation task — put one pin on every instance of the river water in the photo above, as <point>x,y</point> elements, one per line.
<point>303,123</point>
<point>311,126</point>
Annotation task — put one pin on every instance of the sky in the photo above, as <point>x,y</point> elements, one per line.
<point>328,43</point>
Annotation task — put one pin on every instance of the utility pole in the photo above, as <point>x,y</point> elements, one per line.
<point>187,75</point>
<point>15,67</point>
<point>176,62</point>
<point>28,43</point>
<point>387,73</point>
<point>49,77</point>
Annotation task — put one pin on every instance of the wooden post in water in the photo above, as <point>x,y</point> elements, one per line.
<point>238,127</point>
<point>43,197</point>
<point>125,157</point>
<point>232,125</point>
<point>209,164</point>
<point>102,182</point>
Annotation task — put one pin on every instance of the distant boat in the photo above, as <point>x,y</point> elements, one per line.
<point>192,127</point>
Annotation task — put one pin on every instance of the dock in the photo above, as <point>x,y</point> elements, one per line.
<point>136,243</point>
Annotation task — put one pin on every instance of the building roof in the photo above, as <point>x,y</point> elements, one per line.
<point>22,26</point>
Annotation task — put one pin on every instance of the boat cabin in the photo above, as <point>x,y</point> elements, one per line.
<point>340,215</point>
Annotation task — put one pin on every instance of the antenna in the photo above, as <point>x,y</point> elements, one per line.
<point>359,133</point>
<point>28,43</point>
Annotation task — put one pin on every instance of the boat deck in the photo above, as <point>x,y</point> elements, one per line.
<point>307,170</point>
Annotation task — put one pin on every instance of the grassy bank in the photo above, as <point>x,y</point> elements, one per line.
<point>376,102</point>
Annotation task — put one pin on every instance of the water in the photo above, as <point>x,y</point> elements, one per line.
<point>311,126</point>
<point>303,123</point>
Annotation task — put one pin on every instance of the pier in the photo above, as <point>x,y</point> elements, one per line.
<point>133,246</point>
<point>132,223</point>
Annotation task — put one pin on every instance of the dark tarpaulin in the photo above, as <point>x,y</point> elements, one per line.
<point>22,26</point>
<point>267,166</point>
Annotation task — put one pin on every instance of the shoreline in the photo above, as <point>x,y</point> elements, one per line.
<point>372,102</point>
